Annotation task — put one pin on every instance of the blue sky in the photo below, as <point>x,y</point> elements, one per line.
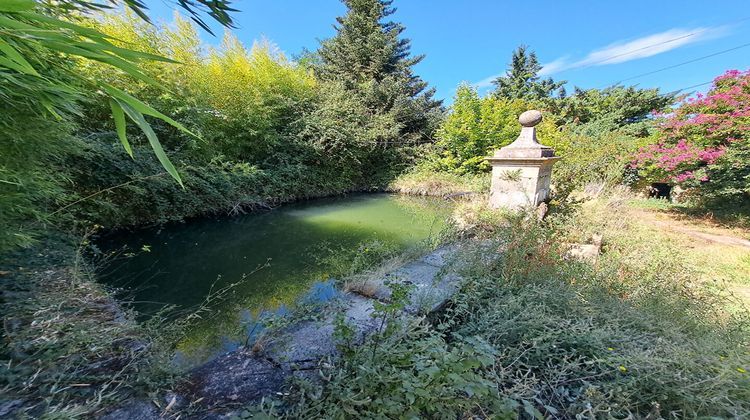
<point>588,43</point>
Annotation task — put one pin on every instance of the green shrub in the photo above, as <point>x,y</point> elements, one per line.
<point>32,174</point>
<point>115,190</point>
<point>477,126</point>
<point>595,131</point>
<point>593,157</point>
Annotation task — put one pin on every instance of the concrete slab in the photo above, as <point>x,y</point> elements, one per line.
<point>242,376</point>
<point>235,379</point>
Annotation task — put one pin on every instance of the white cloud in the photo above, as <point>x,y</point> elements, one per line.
<point>486,82</point>
<point>622,51</point>
<point>554,66</point>
<point>647,46</point>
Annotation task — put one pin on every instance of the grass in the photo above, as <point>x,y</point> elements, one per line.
<point>443,184</point>
<point>730,217</point>
<point>69,349</point>
<point>638,333</point>
<point>708,244</point>
<point>649,329</point>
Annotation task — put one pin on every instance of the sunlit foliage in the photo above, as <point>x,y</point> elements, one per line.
<point>476,126</point>
<point>704,143</point>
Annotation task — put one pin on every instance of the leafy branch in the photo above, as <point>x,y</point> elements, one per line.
<point>35,50</point>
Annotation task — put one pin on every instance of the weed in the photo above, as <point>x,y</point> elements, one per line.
<point>69,349</point>
<point>443,184</point>
<point>530,333</point>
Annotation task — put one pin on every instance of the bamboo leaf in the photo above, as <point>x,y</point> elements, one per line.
<point>49,106</point>
<point>119,117</point>
<point>14,6</point>
<point>12,65</point>
<point>128,68</point>
<point>145,109</point>
<point>57,23</point>
<point>95,52</point>
<point>141,122</point>
<point>14,55</point>
<point>135,54</point>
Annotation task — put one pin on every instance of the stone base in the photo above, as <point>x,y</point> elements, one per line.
<point>519,183</point>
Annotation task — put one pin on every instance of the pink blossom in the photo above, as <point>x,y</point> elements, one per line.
<point>684,176</point>
<point>699,132</point>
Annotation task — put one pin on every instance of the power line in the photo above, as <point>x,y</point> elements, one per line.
<point>641,49</point>
<point>651,46</point>
<point>694,86</point>
<point>681,64</point>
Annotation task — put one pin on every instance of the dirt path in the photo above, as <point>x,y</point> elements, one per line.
<point>701,231</point>
<point>719,253</point>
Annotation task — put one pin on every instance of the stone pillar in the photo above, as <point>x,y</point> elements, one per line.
<point>521,171</point>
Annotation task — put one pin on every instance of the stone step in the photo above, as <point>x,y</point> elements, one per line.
<point>244,376</point>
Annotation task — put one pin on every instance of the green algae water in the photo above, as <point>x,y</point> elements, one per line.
<point>235,268</point>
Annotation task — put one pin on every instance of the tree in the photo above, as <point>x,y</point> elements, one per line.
<point>371,60</point>
<point>522,81</point>
<point>365,48</point>
<point>704,144</point>
<point>594,111</point>
<point>478,125</point>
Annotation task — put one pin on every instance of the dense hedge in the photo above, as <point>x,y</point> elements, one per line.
<point>266,129</point>
<point>127,191</point>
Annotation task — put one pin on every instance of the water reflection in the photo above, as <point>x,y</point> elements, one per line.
<point>259,262</point>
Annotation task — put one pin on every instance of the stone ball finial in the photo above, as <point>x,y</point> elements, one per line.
<point>530,118</point>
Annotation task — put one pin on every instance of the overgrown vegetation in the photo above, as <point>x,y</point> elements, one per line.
<point>645,331</point>
<point>69,349</point>
<point>235,127</point>
<point>446,184</point>
<point>639,333</point>
<point>242,127</point>
<point>596,131</point>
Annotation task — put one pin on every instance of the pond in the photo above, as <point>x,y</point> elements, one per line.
<point>235,268</point>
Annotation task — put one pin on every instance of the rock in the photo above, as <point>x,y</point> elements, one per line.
<point>235,379</point>
<point>243,377</point>
<point>9,408</point>
<point>172,401</point>
<point>586,252</point>
<point>541,211</point>
<point>440,256</point>
<point>430,289</point>
<point>304,344</point>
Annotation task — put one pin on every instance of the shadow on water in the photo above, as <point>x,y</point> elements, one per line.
<point>264,262</point>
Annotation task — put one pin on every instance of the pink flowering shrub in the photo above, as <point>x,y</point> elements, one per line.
<point>703,143</point>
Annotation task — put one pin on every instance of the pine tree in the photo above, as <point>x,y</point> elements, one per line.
<point>522,81</point>
<point>372,61</point>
